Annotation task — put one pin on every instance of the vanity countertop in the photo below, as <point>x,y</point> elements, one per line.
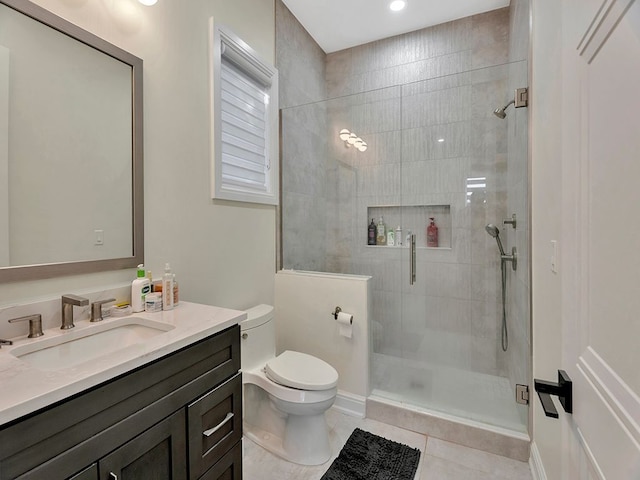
<point>25,389</point>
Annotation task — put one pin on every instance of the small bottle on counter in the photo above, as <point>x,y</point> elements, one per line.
<point>153,303</point>
<point>167,288</point>
<point>176,291</point>
<point>140,287</point>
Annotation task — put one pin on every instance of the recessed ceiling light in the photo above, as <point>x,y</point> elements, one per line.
<point>397,5</point>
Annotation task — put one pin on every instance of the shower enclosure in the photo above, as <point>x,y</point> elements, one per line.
<point>434,149</point>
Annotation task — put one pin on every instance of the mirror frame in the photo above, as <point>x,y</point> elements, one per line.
<point>51,270</point>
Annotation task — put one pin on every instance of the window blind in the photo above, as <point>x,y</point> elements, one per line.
<point>245,130</point>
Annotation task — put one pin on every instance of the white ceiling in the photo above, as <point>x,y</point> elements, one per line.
<point>340,24</point>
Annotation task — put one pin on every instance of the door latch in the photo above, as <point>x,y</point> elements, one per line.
<point>562,389</point>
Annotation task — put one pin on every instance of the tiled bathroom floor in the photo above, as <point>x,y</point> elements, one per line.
<point>439,460</point>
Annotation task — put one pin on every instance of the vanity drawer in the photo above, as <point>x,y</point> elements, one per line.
<point>214,425</point>
<point>228,467</point>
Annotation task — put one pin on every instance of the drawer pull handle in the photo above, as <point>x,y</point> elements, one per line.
<point>113,476</point>
<point>213,430</point>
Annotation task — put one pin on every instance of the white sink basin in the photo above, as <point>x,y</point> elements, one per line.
<point>74,347</point>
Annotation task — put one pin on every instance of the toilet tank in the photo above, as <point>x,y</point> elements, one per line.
<point>258,337</point>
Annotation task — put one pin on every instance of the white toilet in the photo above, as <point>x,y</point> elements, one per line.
<point>285,396</point>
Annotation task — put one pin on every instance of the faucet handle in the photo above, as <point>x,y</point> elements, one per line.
<point>35,324</point>
<point>96,309</point>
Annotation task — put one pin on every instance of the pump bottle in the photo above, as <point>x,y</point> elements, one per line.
<point>139,289</point>
<point>432,233</point>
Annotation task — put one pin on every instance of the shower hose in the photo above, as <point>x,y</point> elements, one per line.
<point>505,333</point>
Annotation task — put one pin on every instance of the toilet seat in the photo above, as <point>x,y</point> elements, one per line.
<point>301,371</point>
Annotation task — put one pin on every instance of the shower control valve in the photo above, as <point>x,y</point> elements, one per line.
<point>512,221</point>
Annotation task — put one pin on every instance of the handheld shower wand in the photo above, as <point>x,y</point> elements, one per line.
<point>495,233</point>
<point>513,258</point>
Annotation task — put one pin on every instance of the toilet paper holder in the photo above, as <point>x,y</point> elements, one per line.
<point>335,313</point>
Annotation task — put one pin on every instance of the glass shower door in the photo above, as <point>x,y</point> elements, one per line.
<point>462,168</point>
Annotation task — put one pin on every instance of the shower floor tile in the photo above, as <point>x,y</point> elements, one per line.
<point>475,396</point>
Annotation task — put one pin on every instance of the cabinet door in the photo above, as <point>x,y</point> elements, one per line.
<point>159,453</point>
<point>215,425</point>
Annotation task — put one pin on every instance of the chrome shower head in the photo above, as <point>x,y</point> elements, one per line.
<point>500,112</point>
<point>495,233</point>
<point>492,230</point>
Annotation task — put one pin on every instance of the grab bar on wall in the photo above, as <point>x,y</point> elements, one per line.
<point>412,260</point>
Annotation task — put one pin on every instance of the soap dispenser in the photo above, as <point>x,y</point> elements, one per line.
<point>371,234</point>
<point>139,289</point>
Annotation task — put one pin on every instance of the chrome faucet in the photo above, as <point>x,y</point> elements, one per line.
<point>68,301</point>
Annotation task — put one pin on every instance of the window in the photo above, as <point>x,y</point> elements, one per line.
<point>244,128</point>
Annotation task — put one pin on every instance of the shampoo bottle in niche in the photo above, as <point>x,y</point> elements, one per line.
<point>381,233</point>
<point>167,288</point>
<point>139,289</point>
<point>432,233</point>
<point>371,235</point>
<point>398,236</point>
<point>391,238</point>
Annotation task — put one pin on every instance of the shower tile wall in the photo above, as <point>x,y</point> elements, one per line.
<point>450,79</point>
<point>401,95</point>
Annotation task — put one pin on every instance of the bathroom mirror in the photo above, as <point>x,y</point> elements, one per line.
<point>71,188</point>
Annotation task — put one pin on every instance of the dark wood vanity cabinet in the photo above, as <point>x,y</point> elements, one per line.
<point>179,418</point>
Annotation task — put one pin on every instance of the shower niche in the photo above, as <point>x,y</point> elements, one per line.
<point>414,219</point>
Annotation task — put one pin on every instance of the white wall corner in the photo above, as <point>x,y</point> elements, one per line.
<point>535,463</point>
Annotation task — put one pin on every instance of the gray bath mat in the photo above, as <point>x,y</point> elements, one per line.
<point>366,456</point>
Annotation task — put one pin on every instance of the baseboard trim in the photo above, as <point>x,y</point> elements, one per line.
<point>350,404</point>
<point>535,463</point>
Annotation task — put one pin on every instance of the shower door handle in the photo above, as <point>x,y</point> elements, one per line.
<point>412,260</point>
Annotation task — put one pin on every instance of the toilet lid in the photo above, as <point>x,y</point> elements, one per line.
<point>302,371</point>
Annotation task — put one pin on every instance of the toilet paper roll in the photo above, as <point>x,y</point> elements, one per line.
<point>345,324</point>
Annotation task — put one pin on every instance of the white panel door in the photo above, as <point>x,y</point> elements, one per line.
<point>601,233</point>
